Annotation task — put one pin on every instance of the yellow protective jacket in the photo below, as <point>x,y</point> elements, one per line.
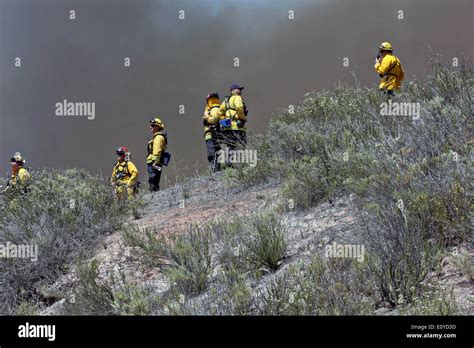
<point>156,147</point>
<point>391,71</point>
<point>124,174</point>
<point>211,115</point>
<point>235,110</point>
<point>20,175</point>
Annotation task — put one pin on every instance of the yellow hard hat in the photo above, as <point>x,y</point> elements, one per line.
<point>157,122</point>
<point>17,158</point>
<point>385,46</point>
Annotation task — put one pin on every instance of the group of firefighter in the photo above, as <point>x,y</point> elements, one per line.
<point>224,126</point>
<point>125,173</point>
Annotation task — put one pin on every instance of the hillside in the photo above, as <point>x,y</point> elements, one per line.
<point>395,189</point>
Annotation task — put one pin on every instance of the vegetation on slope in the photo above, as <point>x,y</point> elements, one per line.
<point>410,179</point>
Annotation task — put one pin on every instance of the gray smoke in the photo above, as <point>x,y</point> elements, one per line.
<point>177,62</point>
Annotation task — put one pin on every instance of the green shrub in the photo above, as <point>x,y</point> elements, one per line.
<point>131,300</point>
<point>306,184</point>
<point>319,287</point>
<point>93,295</point>
<point>185,257</point>
<point>463,261</point>
<point>191,261</point>
<point>322,287</point>
<point>64,213</point>
<point>400,257</point>
<point>148,244</point>
<point>26,308</point>
<point>265,243</point>
<point>432,301</point>
<point>230,294</point>
<point>228,238</point>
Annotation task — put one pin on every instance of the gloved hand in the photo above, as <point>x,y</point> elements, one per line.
<point>155,166</point>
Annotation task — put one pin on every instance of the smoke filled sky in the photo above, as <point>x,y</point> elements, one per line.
<point>177,62</point>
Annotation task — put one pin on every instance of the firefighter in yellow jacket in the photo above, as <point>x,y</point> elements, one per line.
<point>233,113</point>
<point>389,69</point>
<point>125,174</point>
<point>156,152</point>
<point>20,176</point>
<point>212,137</point>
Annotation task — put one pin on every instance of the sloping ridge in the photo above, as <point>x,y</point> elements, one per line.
<point>207,199</point>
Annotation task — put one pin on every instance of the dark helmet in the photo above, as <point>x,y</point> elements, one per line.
<point>236,86</point>
<point>212,95</point>
<point>121,151</point>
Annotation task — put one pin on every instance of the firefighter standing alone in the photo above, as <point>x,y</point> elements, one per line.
<point>20,176</point>
<point>156,151</point>
<point>389,69</point>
